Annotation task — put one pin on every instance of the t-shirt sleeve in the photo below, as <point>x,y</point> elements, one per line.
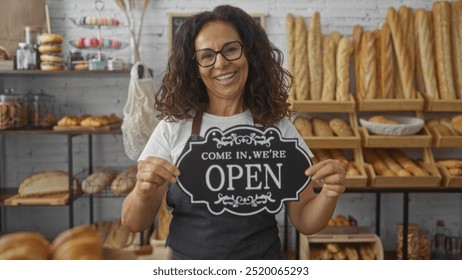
<point>158,144</point>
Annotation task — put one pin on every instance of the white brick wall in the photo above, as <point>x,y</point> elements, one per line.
<point>78,95</point>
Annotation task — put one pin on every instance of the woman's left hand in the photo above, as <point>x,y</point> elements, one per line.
<point>330,175</point>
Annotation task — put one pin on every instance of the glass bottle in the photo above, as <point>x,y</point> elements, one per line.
<point>439,238</point>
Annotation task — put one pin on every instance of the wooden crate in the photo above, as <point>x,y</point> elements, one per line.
<point>433,180</point>
<point>420,140</point>
<point>324,106</point>
<point>447,179</point>
<point>432,105</point>
<point>390,104</point>
<point>445,141</point>
<point>353,237</point>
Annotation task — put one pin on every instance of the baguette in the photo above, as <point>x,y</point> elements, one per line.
<point>99,180</point>
<point>342,61</point>
<point>321,128</point>
<point>302,87</point>
<point>456,28</point>
<point>406,74</point>
<point>315,56</point>
<point>386,62</point>
<point>378,66</point>
<point>424,44</point>
<point>368,70</point>
<point>442,30</point>
<point>125,181</point>
<point>335,36</point>
<point>46,182</point>
<point>357,34</point>
<point>340,127</point>
<point>290,31</point>
<point>304,127</point>
<point>406,18</point>
<point>328,72</point>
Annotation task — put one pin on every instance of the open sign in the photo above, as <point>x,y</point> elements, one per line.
<point>243,170</point>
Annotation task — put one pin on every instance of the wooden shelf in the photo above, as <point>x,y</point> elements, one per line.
<point>70,73</point>
<point>50,131</point>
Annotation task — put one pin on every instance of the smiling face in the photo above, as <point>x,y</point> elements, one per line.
<point>225,80</point>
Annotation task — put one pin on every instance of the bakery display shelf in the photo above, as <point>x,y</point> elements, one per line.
<point>65,132</point>
<point>449,180</point>
<point>87,129</point>
<point>445,141</point>
<point>432,105</point>
<point>422,139</point>
<point>324,106</point>
<point>317,142</point>
<point>351,236</point>
<point>390,104</point>
<point>5,194</point>
<point>70,73</point>
<point>120,46</point>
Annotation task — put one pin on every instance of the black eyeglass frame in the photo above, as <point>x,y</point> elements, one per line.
<point>219,52</point>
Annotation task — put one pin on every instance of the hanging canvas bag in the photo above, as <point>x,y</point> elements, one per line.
<point>139,113</point>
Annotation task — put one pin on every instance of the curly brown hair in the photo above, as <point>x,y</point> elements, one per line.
<point>182,93</point>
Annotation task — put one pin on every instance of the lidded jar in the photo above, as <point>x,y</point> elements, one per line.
<point>41,110</point>
<point>12,110</point>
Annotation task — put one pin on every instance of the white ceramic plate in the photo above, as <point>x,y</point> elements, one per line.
<point>406,126</point>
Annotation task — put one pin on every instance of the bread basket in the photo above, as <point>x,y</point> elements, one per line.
<point>406,126</point>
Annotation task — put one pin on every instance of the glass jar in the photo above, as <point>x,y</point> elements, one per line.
<point>26,57</point>
<point>41,110</point>
<point>413,245</point>
<point>12,111</point>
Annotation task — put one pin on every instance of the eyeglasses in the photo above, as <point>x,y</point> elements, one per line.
<point>231,51</point>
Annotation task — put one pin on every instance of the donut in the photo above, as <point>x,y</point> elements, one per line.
<point>50,66</point>
<point>51,58</point>
<point>49,38</point>
<point>50,48</point>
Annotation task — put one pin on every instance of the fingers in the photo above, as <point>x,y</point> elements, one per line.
<point>153,173</point>
<point>330,175</point>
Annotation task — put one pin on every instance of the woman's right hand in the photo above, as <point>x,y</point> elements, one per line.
<point>153,173</point>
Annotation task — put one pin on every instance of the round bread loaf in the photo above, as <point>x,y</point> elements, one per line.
<point>24,246</point>
<point>49,38</point>
<point>78,243</point>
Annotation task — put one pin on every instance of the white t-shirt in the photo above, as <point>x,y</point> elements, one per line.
<point>169,138</point>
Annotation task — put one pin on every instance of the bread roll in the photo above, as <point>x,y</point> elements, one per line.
<point>125,181</point>
<point>386,62</point>
<point>24,246</point>
<point>321,128</point>
<point>46,182</point>
<point>368,67</point>
<point>456,29</point>
<point>342,61</point>
<point>443,58</point>
<point>424,39</point>
<point>328,72</point>
<point>406,73</point>
<point>315,56</point>
<point>98,180</point>
<point>301,77</point>
<point>78,243</point>
<point>340,127</point>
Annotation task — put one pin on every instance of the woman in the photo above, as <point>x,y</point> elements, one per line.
<point>223,70</point>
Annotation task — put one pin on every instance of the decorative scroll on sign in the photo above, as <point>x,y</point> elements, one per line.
<point>243,170</point>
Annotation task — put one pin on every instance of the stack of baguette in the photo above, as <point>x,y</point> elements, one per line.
<point>446,126</point>
<point>418,48</point>
<point>342,251</point>
<point>319,63</point>
<point>393,162</point>
<point>320,127</point>
<point>454,166</point>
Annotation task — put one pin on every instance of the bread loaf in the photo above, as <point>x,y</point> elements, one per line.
<point>302,86</point>
<point>456,29</point>
<point>303,125</point>
<point>46,182</point>
<point>290,32</point>
<point>342,61</point>
<point>456,123</point>
<point>443,58</point>
<point>406,18</point>
<point>98,180</point>
<point>321,128</point>
<point>406,74</point>
<point>125,181</point>
<point>78,243</point>
<point>378,66</point>
<point>315,56</point>
<point>328,72</point>
<point>424,44</point>
<point>340,127</point>
<point>24,246</point>
<point>335,36</point>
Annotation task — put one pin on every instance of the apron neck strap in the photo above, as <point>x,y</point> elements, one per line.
<point>196,125</point>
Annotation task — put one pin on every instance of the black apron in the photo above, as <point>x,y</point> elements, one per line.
<point>195,233</point>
